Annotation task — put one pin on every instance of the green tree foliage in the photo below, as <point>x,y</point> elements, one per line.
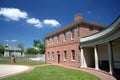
<point>40,45</point>
<point>31,51</point>
<point>1,49</point>
<point>36,43</point>
<point>20,45</point>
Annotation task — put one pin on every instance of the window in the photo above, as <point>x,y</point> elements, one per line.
<point>58,39</point>
<point>52,55</point>
<point>64,36</point>
<point>52,40</point>
<point>65,55</point>
<point>48,56</point>
<point>48,42</point>
<point>91,28</point>
<point>73,55</point>
<point>72,34</point>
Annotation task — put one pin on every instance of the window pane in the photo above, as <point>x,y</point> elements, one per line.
<point>65,55</point>
<point>73,55</point>
<point>48,56</point>
<point>65,36</point>
<point>72,33</point>
<point>52,55</point>
<point>58,39</point>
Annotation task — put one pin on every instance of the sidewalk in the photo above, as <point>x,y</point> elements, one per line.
<point>101,74</point>
<point>9,70</point>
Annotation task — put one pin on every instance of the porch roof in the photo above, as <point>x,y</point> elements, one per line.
<point>112,32</point>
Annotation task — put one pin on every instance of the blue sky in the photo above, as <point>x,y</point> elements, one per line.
<point>22,21</point>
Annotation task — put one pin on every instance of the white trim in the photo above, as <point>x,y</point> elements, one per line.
<point>96,58</point>
<point>73,33</point>
<point>72,56</point>
<point>107,31</point>
<point>64,56</point>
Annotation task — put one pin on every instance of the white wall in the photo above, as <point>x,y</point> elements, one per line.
<point>102,52</point>
<point>89,56</point>
<point>116,54</point>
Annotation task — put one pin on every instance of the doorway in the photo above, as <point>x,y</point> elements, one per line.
<point>58,58</point>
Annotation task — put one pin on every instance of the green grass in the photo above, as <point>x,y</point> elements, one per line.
<point>28,63</point>
<point>53,73</point>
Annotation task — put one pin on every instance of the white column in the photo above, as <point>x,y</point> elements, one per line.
<point>83,61</point>
<point>110,52</point>
<point>96,58</point>
<point>82,57</point>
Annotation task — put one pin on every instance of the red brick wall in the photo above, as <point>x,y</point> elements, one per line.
<point>85,31</point>
<point>67,46</point>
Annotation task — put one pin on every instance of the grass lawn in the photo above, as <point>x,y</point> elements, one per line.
<point>28,63</point>
<point>53,73</point>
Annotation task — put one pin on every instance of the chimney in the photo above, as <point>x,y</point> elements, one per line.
<point>78,17</point>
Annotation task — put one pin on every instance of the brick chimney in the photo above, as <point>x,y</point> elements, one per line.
<point>78,17</point>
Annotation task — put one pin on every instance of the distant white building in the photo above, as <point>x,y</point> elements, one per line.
<point>12,50</point>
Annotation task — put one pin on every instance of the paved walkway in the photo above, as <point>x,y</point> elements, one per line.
<point>7,70</point>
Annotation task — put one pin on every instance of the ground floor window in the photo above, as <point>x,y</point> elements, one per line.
<point>52,55</point>
<point>73,55</point>
<point>65,55</point>
<point>48,56</point>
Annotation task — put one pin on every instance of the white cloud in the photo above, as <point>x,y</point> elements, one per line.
<point>35,22</point>
<point>13,40</point>
<point>6,40</point>
<point>51,22</point>
<point>16,14</point>
<point>13,13</point>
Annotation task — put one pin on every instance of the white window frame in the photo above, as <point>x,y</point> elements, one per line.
<point>52,55</point>
<point>52,40</point>
<point>48,42</point>
<point>48,56</point>
<point>65,37</point>
<point>58,39</point>
<point>72,34</point>
<point>65,55</point>
<point>72,55</point>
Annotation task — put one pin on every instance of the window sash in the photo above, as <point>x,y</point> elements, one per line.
<point>73,55</point>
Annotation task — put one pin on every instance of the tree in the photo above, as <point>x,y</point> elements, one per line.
<point>1,49</point>
<point>20,45</point>
<point>36,43</point>
<point>31,51</point>
<point>40,45</point>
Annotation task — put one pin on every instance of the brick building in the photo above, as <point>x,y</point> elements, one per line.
<point>62,46</point>
<point>85,44</point>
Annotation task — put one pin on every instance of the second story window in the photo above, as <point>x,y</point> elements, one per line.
<point>72,34</point>
<point>48,42</point>
<point>52,40</point>
<point>64,36</point>
<point>58,39</point>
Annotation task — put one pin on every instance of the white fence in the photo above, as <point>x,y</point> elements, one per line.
<point>31,57</point>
